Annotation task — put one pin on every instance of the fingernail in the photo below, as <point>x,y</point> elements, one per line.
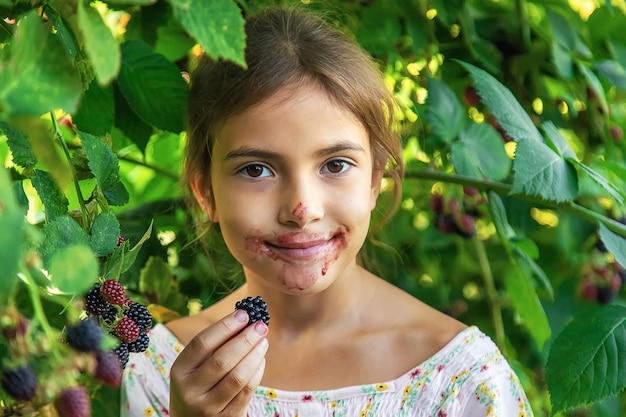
<point>260,328</point>
<point>241,316</point>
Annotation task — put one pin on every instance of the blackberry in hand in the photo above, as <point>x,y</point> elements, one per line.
<point>256,309</point>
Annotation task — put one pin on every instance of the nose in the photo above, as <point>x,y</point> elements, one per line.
<point>301,204</point>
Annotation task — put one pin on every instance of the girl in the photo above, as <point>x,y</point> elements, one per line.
<point>287,156</point>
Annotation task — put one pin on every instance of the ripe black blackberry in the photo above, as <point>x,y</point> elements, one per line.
<point>84,336</point>
<point>140,315</point>
<point>20,383</point>
<point>122,353</point>
<point>139,345</point>
<point>256,309</point>
<point>95,304</point>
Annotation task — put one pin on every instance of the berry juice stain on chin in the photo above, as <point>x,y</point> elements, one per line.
<point>299,212</point>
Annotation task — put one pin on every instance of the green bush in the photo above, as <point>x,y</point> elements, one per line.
<point>512,217</point>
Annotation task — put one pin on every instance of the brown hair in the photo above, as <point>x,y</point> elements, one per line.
<point>288,47</point>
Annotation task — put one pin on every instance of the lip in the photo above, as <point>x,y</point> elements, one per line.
<point>299,247</point>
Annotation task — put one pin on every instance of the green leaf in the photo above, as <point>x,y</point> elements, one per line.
<point>18,143</point>
<point>612,71</point>
<point>156,279</point>
<point>557,142</point>
<point>54,201</point>
<point>60,233</point>
<point>73,269</point>
<point>612,189</point>
<point>116,195</point>
<point>595,85</point>
<point>587,360</point>
<point>38,76</point>
<point>123,258</point>
<point>131,2</point>
<point>529,265</point>
<point>41,138</point>
<point>129,123</point>
<point>480,153</point>
<point>100,45</point>
<point>562,61</point>
<point>147,80</point>
<point>615,244</point>
<point>540,171</point>
<point>522,294</point>
<point>503,105</point>
<point>95,113</point>
<point>11,233</point>
<point>499,217</point>
<point>563,30</point>
<point>102,161</point>
<point>218,26</point>
<point>445,113</point>
<point>105,233</point>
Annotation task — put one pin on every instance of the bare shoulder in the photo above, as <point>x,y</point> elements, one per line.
<point>186,328</point>
<point>419,330</point>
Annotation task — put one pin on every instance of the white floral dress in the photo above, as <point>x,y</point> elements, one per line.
<point>468,377</point>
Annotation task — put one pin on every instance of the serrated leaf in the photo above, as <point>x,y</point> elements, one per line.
<point>503,105</point>
<point>595,85</point>
<point>116,195</point>
<point>95,113</point>
<point>38,76</point>
<point>60,233</point>
<point>129,123</point>
<point>41,139</point>
<point>480,153</point>
<point>105,233</point>
<point>73,269</point>
<point>587,360</point>
<point>54,201</point>
<point>445,113</point>
<point>612,189</point>
<point>522,294</point>
<point>147,80</point>
<point>100,45</point>
<point>11,233</point>
<point>102,161</point>
<point>540,171</point>
<point>218,26</point>
<point>615,244</point>
<point>18,143</point>
<point>557,142</point>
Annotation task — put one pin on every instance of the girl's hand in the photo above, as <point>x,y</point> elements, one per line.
<point>219,370</point>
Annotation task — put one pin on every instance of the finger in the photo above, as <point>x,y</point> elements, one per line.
<point>233,392</point>
<point>209,340</point>
<point>222,361</point>
<point>242,399</point>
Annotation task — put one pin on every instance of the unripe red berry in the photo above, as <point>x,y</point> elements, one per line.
<point>616,133</point>
<point>113,291</point>
<point>127,330</point>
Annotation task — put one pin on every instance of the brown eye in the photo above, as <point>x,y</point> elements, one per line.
<point>255,171</point>
<point>337,166</point>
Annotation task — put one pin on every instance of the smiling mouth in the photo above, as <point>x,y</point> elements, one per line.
<point>296,246</point>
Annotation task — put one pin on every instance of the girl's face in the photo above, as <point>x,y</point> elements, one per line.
<point>293,187</point>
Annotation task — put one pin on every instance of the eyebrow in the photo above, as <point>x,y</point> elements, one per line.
<point>251,152</point>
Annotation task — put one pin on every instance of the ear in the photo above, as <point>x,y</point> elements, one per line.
<point>204,197</point>
<point>377,178</point>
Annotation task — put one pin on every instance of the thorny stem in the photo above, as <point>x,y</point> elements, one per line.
<point>502,188</point>
<point>66,151</point>
<point>492,294</point>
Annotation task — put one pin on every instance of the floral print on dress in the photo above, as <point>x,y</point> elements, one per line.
<point>469,376</point>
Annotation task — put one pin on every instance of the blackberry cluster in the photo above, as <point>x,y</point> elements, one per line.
<point>127,320</point>
<point>457,215</point>
<point>256,309</point>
